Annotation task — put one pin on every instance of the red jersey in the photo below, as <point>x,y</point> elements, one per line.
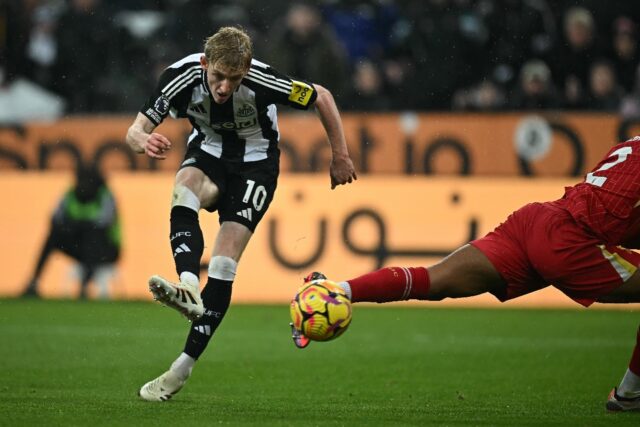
<point>606,203</point>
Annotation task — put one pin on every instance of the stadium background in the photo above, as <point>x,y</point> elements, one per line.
<point>456,113</point>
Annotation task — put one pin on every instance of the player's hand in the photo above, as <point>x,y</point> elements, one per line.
<point>156,145</point>
<point>342,172</point>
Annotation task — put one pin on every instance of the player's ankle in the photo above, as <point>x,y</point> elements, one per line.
<point>183,366</point>
<point>347,288</point>
<point>628,393</point>
<point>190,279</point>
<point>630,385</point>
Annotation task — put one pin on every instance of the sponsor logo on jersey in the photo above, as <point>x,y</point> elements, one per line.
<point>300,92</point>
<point>244,124</point>
<point>161,105</point>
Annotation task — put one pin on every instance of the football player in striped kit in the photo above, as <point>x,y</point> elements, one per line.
<point>231,166</point>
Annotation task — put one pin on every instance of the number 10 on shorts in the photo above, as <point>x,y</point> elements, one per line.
<point>259,195</point>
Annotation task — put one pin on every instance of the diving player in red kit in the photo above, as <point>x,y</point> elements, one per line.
<point>580,244</point>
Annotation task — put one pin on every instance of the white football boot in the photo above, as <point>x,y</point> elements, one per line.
<point>162,388</point>
<point>620,403</point>
<point>184,297</point>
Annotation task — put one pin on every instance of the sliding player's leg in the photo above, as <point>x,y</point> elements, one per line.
<point>626,397</point>
<point>496,263</point>
<point>466,272</point>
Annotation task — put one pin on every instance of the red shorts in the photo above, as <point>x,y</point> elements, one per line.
<point>541,244</point>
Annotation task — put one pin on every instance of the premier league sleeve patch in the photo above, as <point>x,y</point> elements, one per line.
<point>161,105</point>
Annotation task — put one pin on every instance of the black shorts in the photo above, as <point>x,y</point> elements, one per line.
<point>246,189</point>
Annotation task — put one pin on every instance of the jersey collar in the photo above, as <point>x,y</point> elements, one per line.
<point>205,85</point>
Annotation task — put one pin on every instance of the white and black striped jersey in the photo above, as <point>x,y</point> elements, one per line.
<point>245,127</point>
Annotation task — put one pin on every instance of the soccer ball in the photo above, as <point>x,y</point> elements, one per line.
<point>321,310</point>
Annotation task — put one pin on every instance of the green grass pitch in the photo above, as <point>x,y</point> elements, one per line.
<point>81,363</point>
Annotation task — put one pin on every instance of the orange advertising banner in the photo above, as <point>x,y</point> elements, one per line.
<point>509,144</point>
<point>378,221</point>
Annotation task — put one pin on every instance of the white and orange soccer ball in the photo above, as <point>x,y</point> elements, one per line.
<point>321,311</point>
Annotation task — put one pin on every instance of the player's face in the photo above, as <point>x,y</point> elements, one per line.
<point>222,81</point>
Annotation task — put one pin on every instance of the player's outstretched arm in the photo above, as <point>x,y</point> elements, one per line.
<point>142,139</point>
<point>341,169</point>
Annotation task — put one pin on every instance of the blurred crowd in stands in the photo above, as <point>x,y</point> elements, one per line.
<point>374,55</point>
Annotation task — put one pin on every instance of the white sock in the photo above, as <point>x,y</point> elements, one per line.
<point>630,385</point>
<point>190,278</point>
<point>183,366</point>
<point>347,288</point>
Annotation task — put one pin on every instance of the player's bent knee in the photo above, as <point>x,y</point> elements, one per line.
<point>443,283</point>
<point>194,181</point>
<point>183,196</point>
<point>222,268</point>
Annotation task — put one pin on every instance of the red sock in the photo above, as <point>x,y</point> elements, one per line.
<point>391,284</point>
<point>634,365</point>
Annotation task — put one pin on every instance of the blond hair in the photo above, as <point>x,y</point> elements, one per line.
<point>230,47</point>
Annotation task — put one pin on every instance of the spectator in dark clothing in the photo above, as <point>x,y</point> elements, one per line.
<point>604,92</point>
<point>14,37</point>
<point>399,77</point>
<point>87,45</point>
<point>625,52</point>
<point>484,96</point>
<point>536,90</point>
<point>604,12</point>
<point>574,57</point>
<point>306,46</point>
<point>444,58</point>
<point>517,31</point>
<point>191,21</point>
<point>85,227</point>
<point>42,49</point>
<point>363,26</point>
<point>367,89</point>
<point>630,105</point>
